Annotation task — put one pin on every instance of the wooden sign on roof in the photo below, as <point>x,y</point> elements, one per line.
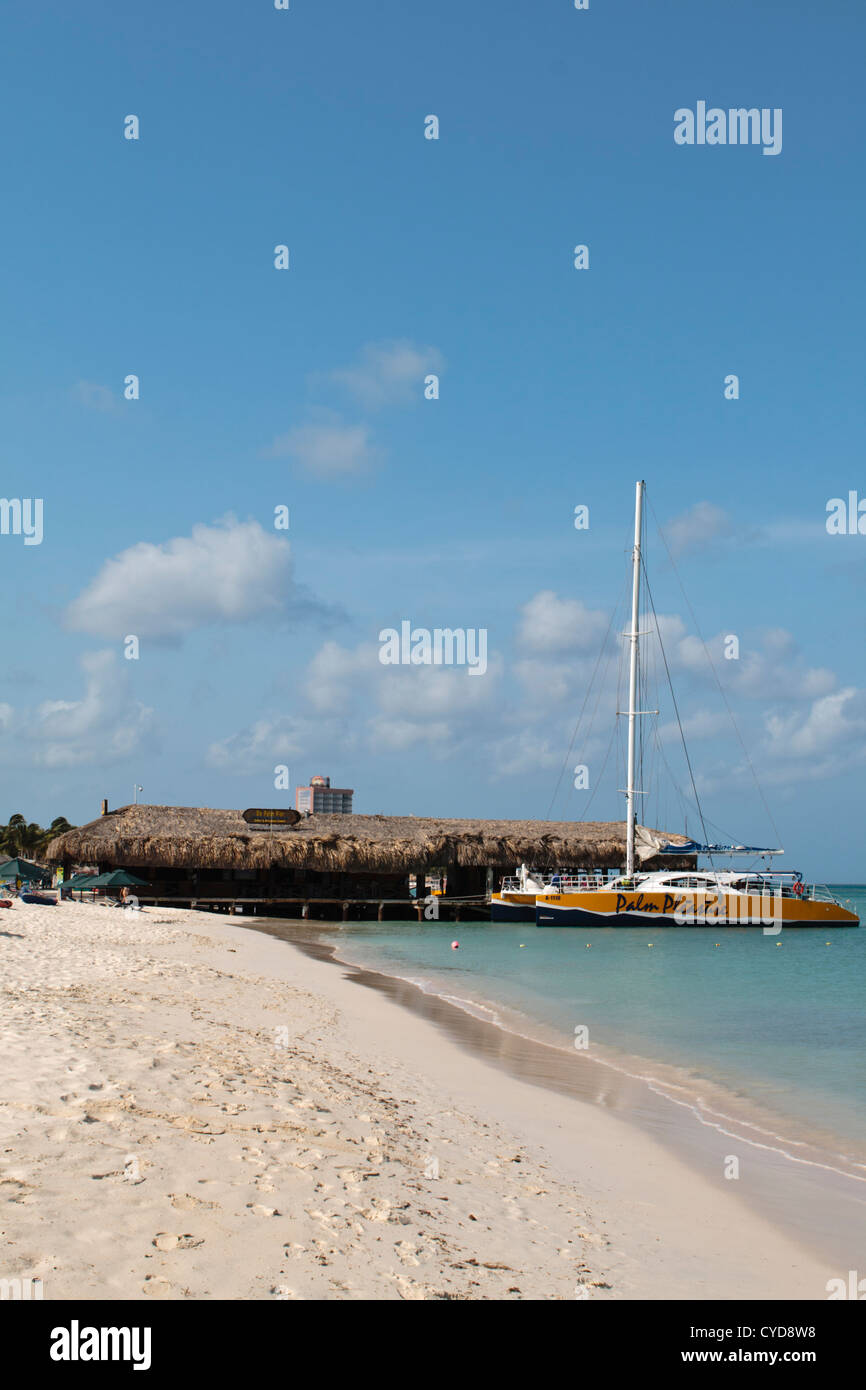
<point>261,819</point>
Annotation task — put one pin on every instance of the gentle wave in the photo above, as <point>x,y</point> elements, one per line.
<point>722,1110</point>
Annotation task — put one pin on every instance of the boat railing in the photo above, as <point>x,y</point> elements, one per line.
<point>787,887</point>
<point>820,893</point>
<point>581,883</point>
<point>585,881</point>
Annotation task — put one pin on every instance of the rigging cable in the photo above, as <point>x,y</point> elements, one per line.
<point>601,652</point>
<point>598,780</point>
<point>676,711</point>
<point>719,684</point>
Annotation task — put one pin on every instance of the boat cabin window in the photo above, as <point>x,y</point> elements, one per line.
<point>692,881</point>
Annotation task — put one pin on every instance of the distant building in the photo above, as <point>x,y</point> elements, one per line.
<point>320,798</point>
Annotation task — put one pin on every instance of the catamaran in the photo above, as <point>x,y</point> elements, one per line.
<point>515,902</point>
<point>710,898</point>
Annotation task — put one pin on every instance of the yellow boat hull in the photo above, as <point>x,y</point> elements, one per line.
<point>512,907</point>
<point>670,908</point>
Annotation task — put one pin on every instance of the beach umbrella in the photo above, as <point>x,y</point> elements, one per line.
<point>22,868</point>
<point>78,882</point>
<point>117,878</point>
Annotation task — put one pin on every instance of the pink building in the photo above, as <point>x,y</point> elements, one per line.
<point>320,798</point>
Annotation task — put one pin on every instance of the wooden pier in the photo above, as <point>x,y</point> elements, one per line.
<point>447,909</point>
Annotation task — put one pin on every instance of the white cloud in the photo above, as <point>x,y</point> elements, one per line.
<point>519,720</point>
<point>395,735</point>
<point>232,572</point>
<point>789,531</point>
<point>265,742</point>
<point>404,703</point>
<point>96,397</point>
<point>776,670</point>
<point>760,677</point>
<point>105,725</point>
<point>328,450</point>
<point>389,372</point>
<point>546,684</point>
<point>770,665</point>
<point>435,691</point>
<point>830,721</point>
<point>819,739</point>
<point>335,672</point>
<point>699,725</point>
<point>523,753</point>
<point>552,624</point>
<point>350,696</point>
<point>696,528</point>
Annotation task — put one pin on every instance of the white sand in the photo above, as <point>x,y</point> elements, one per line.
<point>160,1136</point>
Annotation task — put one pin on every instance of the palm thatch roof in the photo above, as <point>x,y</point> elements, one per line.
<point>178,836</point>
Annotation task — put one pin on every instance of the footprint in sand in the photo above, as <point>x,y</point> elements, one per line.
<point>406,1252</point>
<point>164,1240</point>
<point>155,1286</point>
<point>590,1237</point>
<point>18,1191</point>
<point>183,1201</point>
<point>412,1293</point>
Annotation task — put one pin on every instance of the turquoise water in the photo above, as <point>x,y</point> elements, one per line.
<point>774,1025</point>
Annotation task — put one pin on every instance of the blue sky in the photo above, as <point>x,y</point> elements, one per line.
<point>305,388</point>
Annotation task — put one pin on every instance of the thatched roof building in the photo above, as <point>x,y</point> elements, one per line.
<point>200,838</point>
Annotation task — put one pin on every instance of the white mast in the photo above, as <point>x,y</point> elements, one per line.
<point>632,682</point>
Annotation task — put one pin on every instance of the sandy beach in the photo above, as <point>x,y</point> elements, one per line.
<point>191,1109</point>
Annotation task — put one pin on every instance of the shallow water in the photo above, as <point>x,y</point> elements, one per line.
<point>767,1029</point>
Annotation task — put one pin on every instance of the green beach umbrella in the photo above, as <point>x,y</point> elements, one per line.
<point>78,882</point>
<point>117,878</point>
<point>22,868</point>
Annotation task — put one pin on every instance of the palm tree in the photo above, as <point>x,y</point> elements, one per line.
<point>13,835</point>
<point>58,826</point>
<point>20,838</point>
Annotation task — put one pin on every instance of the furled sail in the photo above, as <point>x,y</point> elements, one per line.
<point>692,847</point>
<point>651,842</point>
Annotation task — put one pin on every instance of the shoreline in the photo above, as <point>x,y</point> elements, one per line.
<point>192,1111</point>
<point>808,1199</point>
<point>713,1099</point>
